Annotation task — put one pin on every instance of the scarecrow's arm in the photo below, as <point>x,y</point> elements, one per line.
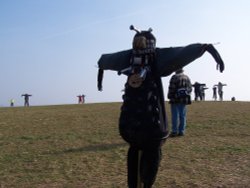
<point>171,59</point>
<point>115,62</point>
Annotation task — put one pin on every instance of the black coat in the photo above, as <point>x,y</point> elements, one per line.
<point>143,117</point>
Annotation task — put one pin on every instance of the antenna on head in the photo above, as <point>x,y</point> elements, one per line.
<point>135,29</point>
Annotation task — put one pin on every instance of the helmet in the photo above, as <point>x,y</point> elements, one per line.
<point>143,39</point>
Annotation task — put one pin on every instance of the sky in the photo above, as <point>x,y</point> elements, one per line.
<point>50,48</point>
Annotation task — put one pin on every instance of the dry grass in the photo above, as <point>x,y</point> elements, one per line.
<point>79,146</point>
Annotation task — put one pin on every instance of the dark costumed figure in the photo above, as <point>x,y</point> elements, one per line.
<point>143,121</point>
<point>198,90</point>
<point>26,99</point>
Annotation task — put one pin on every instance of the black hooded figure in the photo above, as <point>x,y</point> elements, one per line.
<point>143,121</point>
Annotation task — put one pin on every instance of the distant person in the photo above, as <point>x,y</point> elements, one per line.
<point>202,92</point>
<point>179,91</point>
<point>12,101</point>
<point>197,90</point>
<point>80,99</point>
<point>215,92</point>
<point>220,90</point>
<point>233,99</point>
<point>26,99</point>
<point>83,98</point>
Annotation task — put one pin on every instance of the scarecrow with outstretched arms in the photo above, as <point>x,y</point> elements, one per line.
<point>143,120</point>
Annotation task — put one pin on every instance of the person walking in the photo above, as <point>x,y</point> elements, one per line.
<point>179,91</point>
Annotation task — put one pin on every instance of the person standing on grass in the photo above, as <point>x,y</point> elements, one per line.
<point>203,88</point>
<point>12,101</point>
<point>197,90</point>
<point>26,99</point>
<point>83,98</point>
<point>215,93</point>
<point>220,90</point>
<point>80,99</point>
<point>179,91</point>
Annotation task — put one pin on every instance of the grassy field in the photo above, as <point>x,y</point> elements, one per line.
<point>79,146</point>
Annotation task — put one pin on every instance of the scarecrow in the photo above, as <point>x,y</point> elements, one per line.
<point>143,120</point>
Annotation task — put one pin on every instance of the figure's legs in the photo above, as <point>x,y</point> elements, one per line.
<point>215,96</point>
<point>26,103</point>
<point>132,164</point>
<point>196,96</point>
<point>200,96</point>
<point>182,114</point>
<point>175,115</point>
<point>221,95</point>
<point>150,162</point>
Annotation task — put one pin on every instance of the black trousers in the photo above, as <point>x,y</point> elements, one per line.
<point>149,164</point>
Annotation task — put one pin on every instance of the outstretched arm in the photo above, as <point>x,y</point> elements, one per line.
<point>115,62</point>
<point>172,59</point>
<point>220,64</point>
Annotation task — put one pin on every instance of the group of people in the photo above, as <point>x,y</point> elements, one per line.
<point>219,86</point>
<point>26,100</point>
<point>81,99</point>
<point>199,91</point>
<point>179,95</point>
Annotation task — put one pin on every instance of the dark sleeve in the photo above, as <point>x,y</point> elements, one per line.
<point>115,61</point>
<point>169,60</point>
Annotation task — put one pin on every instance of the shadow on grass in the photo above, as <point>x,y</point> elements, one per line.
<point>91,148</point>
